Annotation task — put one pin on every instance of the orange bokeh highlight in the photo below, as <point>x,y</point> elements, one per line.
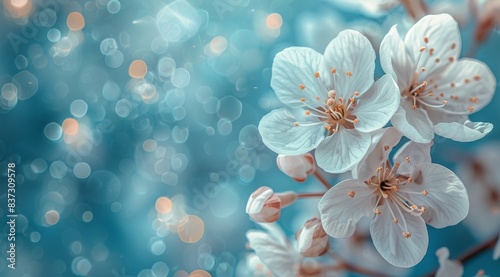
<point>70,126</point>
<point>163,205</point>
<point>75,21</point>
<point>191,229</point>
<point>274,21</point>
<point>18,8</point>
<point>200,273</point>
<point>138,69</point>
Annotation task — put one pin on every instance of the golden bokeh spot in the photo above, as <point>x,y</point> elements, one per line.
<point>200,273</point>
<point>191,229</point>
<point>137,69</point>
<point>70,126</point>
<point>18,8</point>
<point>75,21</point>
<point>52,217</point>
<point>163,205</point>
<point>274,21</point>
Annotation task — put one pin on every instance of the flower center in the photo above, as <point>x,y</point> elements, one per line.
<point>334,112</point>
<point>391,192</point>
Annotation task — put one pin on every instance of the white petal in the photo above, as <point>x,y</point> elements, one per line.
<point>418,153</point>
<point>351,52</point>
<point>340,212</point>
<point>279,258</point>
<point>468,84</point>
<point>296,66</point>
<point>447,267</point>
<point>377,105</point>
<point>463,132</point>
<point>395,59</point>
<point>388,237</point>
<point>342,151</point>
<point>447,202</point>
<point>381,145</point>
<point>281,135</point>
<point>413,123</point>
<point>496,252</point>
<point>443,37</point>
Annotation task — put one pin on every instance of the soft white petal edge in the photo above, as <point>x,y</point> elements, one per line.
<point>395,60</point>
<point>382,143</point>
<point>463,132</point>
<point>342,150</point>
<point>292,67</point>
<point>413,124</point>
<point>390,243</point>
<point>278,257</point>
<point>447,201</point>
<point>448,267</point>
<point>351,52</point>
<point>340,212</point>
<point>377,105</point>
<point>281,135</point>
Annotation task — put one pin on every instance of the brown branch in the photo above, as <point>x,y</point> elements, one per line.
<point>322,179</point>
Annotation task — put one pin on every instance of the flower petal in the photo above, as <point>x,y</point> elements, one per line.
<point>463,132</point>
<point>388,237</point>
<point>418,153</point>
<point>278,257</point>
<point>377,105</point>
<point>468,85</point>
<point>340,212</point>
<point>342,151</point>
<point>350,52</point>
<point>381,145</point>
<point>448,267</point>
<point>281,135</point>
<point>440,36</point>
<point>395,59</point>
<point>413,123</point>
<point>446,201</point>
<point>293,67</point>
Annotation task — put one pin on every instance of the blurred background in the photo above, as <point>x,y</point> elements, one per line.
<point>133,128</point>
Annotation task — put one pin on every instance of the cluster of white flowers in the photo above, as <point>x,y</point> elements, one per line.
<point>335,107</point>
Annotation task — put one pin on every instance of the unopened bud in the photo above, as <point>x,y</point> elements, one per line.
<point>296,167</point>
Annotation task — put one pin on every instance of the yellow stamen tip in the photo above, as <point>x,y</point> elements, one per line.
<point>302,99</point>
<point>349,74</point>
<point>333,71</point>
<point>316,74</point>
<point>296,124</point>
<point>302,87</point>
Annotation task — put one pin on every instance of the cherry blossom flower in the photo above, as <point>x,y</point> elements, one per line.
<point>265,206</point>
<point>296,167</point>
<point>278,254</point>
<point>480,174</point>
<point>402,197</point>
<point>438,91</point>
<point>448,267</point>
<point>312,241</point>
<point>333,102</point>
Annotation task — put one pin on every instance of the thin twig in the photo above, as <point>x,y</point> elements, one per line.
<point>308,195</point>
<point>471,253</point>
<point>322,179</point>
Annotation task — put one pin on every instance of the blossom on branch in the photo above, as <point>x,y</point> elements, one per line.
<point>438,91</point>
<point>401,198</point>
<point>333,102</point>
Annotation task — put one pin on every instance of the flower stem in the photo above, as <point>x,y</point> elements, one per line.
<point>471,253</point>
<point>309,195</point>
<point>322,179</point>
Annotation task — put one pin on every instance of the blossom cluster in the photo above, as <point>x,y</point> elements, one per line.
<point>352,122</point>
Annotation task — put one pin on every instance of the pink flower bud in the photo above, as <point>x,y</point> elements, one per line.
<point>312,240</point>
<point>297,167</point>
<point>265,206</point>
